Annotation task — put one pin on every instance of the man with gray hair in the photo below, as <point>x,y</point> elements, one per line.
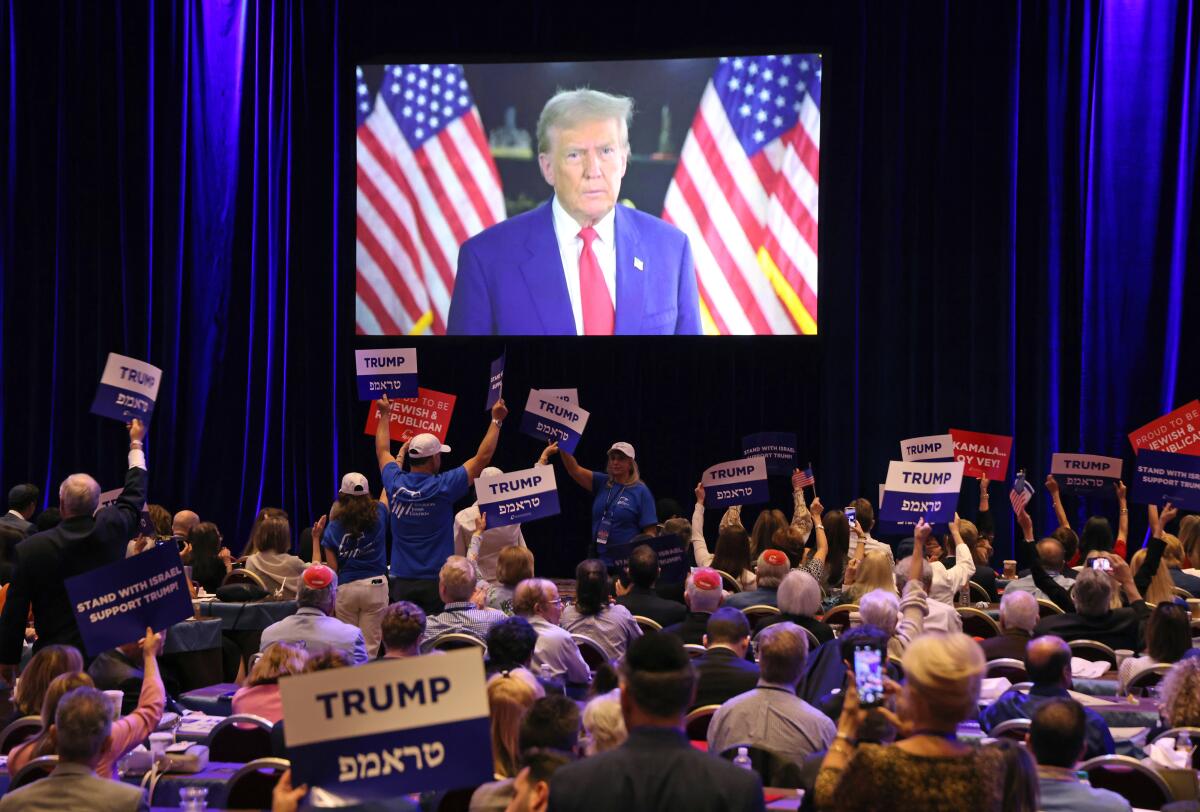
<point>773,566</point>
<point>584,265</point>
<point>1018,616</point>
<point>703,595</point>
<point>1094,618</point>
<point>81,728</point>
<point>86,538</point>
<point>313,626</point>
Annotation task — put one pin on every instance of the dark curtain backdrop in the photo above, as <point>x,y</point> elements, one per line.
<point>1007,243</point>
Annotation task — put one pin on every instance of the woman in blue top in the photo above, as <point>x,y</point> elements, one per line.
<point>623,506</point>
<point>355,546</point>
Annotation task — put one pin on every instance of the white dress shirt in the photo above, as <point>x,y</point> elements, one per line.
<point>556,649</point>
<point>570,246</point>
<point>493,540</point>
<point>948,581</point>
<point>942,617</point>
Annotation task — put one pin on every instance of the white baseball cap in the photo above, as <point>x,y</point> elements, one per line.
<point>491,470</point>
<point>426,445</point>
<point>354,484</point>
<point>624,448</point>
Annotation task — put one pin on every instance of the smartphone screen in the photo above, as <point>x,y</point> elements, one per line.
<point>851,516</point>
<point>1099,563</point>
<point>868,675</point>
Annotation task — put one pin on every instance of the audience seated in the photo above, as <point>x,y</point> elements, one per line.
<point>1048,663</point>
<point>609,625</point>
<point>312,625</point>
<point>1174,556</point>
<point>531,788</point>
<point>456,585</point>
<point>603,724</point>
<point>401,628</point>
<point>126,732</point>
<point>703,594</point>
<point>270,555</point>
<point>940,616</point>
<point>903,620</point>
<point>1052,558</point>
<point>514,564</point>
<point>872,571</point>
<point>510,645</point>
<point>981,552</point>
<point>510,694</point>
<point>773,565</point>
<point>1158,587</point>
<point>950,574</point>
<point>555,655</point>
<point>83,730</point>
<point>210,562</point>
<point>770,716</point>
<point>1057,739</point>
<point>1094,618</point>
<point>656,767</point>
<point>641,599</point>
<point>799,598</point>
<point>733,553</point>
<point>1168,637</point>
<point>1018,616</point>
<point>930,769</point>
<point>551,724</point>
<point>1020,777</point>
<point>493,541</point>
<point>824,677</point>
<point>260,695</point>
<point>41,669</point>
<point>121,669</point>
<point>865,516</point>
<point>723,671</point>
<point>1179,696</point>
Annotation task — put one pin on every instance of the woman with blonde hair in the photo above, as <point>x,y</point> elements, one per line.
<point>260,695</point>
<point>1180,694</point>
<point>1176,559</point>
<point>510,694</point>
<point>928,769</point>
<point>604,724</point>
<point>1189,537</point>
<point>873,571</point>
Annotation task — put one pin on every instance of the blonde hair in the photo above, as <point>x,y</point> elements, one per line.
<point>945,671</point>
<point>44,666</point>
<point>604,723</point>
<point>1162,588</point>
<point>45,744</point>
<point>1189,537</point>
<point>1172,552</point>
<point>1181,694</point>
<point>509,696</point>
<point>874,572</point>
<point>279,660</point>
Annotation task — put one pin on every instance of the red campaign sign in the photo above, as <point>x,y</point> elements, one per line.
<point>429,412</point>
<point>982,453</point>
<point>1176,433</point>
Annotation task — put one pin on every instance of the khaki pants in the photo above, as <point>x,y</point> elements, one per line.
<point>361,603</point>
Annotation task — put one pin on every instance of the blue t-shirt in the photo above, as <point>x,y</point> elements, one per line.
<point>359,555</point>
<point>421,507</point>
<point>629,508</point>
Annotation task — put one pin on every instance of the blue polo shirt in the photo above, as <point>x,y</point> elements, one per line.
<point>421,510</point>
<point>359,555</point>
<point>630,508</point>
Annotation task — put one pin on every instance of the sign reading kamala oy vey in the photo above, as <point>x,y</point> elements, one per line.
<point>127,390</point>
<point>1086,473</point>
<point>390,727</point>
<point>931,448</point>
<point>551,419</point>
<point>739,482</point>
<point>386,372</point>
<point>1160,477</point>
<point>778,448</point>
<point>981,453</point>
<point>916,489</point>
<point>115,603</point>
<point>519,496</point>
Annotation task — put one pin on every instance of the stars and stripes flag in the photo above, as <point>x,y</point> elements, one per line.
<point>804,478</point>
<point>745,193</point>
<point>1021,492</point>
<point>426,182</point>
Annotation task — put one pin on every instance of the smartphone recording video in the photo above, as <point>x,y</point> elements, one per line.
<point>868,675</point>
<point>1102,564</point>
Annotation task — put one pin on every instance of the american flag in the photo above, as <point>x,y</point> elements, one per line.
<point>426,183</point>
<point>1020,493</point>
<point>745,193</point>
<point>804,479</point>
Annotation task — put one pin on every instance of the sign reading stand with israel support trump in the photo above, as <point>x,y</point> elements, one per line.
<point>390,727</point>
<point>778,448</point>
<point>386,372</point>
<point>916,489</point>
<point>115,603</point>
<point>553,420</point>
<point>520,496</point>
<point>1086,473</point>
<point>128,389</point>
<point>739,482</point>
<point>1160,477</point>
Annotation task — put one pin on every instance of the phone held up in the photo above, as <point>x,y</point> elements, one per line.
<point>868,674</point>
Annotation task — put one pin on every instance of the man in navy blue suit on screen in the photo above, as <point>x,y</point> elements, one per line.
<point>579,264</point>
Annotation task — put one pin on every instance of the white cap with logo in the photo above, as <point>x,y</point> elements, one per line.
<point>354,484</point>
<point>623,448</point>
<point>426,445</point>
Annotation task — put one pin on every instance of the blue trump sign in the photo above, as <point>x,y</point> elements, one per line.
<point>671,550</point>
<point>520,496</point>
<point>778,448</point>
<point>115,603</point>
<point>739,482</point>
<point>127,390</point>
<point>920,489</point>
<point>553,420</point>
<point>1160,477</point>
<point>386,372</point>
<point>1086,473</point>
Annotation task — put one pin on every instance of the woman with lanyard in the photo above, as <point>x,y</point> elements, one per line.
<point>623,506</point>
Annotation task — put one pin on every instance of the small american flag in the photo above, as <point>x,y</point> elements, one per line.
<point>745,193</point>
<point>804,479</point>
<point>426,183</point>
<point>1020,493</point>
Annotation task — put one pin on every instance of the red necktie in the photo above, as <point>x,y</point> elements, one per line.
<point>597,304</point>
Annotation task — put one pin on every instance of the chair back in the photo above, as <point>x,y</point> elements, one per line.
<point>772,768</point>
<point>591,651</point>
<point>251,786</point>
<point>694,650</point>
<point>242,737</point>
<point>728,582</point>
<point>452,641</point>
<point>647,624</point>
<point>813,642</point>
<point>1010,669</point>
<point>19,731</point>
<point>1180,592</point>
<point>35,770</point>
<point>457,800</point>
<point>1142,786</point>
<point>1047,608</point>
<point>840,615</point>
<point>1192,732</point>
<point>244,576</point>
<point>758,611</point>
<point>696,722</point>
<point>1093,650</point>
<point>977,623</point>
<point>1147,677</point>
<point>1014,729</point>
<point>897,664</point>
<point>978,593</point>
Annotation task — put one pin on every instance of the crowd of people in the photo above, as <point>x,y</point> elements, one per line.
<point>588,696</point>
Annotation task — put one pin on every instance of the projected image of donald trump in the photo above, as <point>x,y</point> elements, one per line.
<point>578,264</point>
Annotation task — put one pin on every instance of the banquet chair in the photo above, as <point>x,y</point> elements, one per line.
<point>728,582</point>
<point>757,611</point>
<point>978,593</point>
<point>1147,677</point>
<point>244,576</point>
<point>1093,650</point>
<point>19,732</point>
<point>646,624</point>
<point>697,721</point>
<point>840,615</point>
<point>242,737</point>
<point>251,786</point>
<point>1142,786</point>
<point>1192,732</point>
<point>694,650</point>
<point>590,650</point>
<point>1014,729</point>
<point>977,623</point>
<point>1047,608</point>
<point>452,641</point>
<point>35,770</point>
<point>772,768</point>
<point>1010,669</point>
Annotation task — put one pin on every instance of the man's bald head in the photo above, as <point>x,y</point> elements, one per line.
<point>1048,661</point>
<point>1051,554</point>
<point>183,522</point>
<point>79,495</point>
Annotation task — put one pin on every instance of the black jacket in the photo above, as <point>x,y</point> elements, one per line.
<point>722,675</point>
<point>647,603</point>
<point>691,629</point>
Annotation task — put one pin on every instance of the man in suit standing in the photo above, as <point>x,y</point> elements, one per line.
<point>641,599</point>
<point>723,670</point>
<point>22,502</point>
<point>656,767</point>
<point>84,540</point>
<point>580,264</point>
<point>81,728</point>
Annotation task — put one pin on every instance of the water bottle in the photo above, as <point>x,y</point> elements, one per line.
<point>1183,742</point>
<point>964,594</point>
<point>742,759</point>
<point>546,672</point>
